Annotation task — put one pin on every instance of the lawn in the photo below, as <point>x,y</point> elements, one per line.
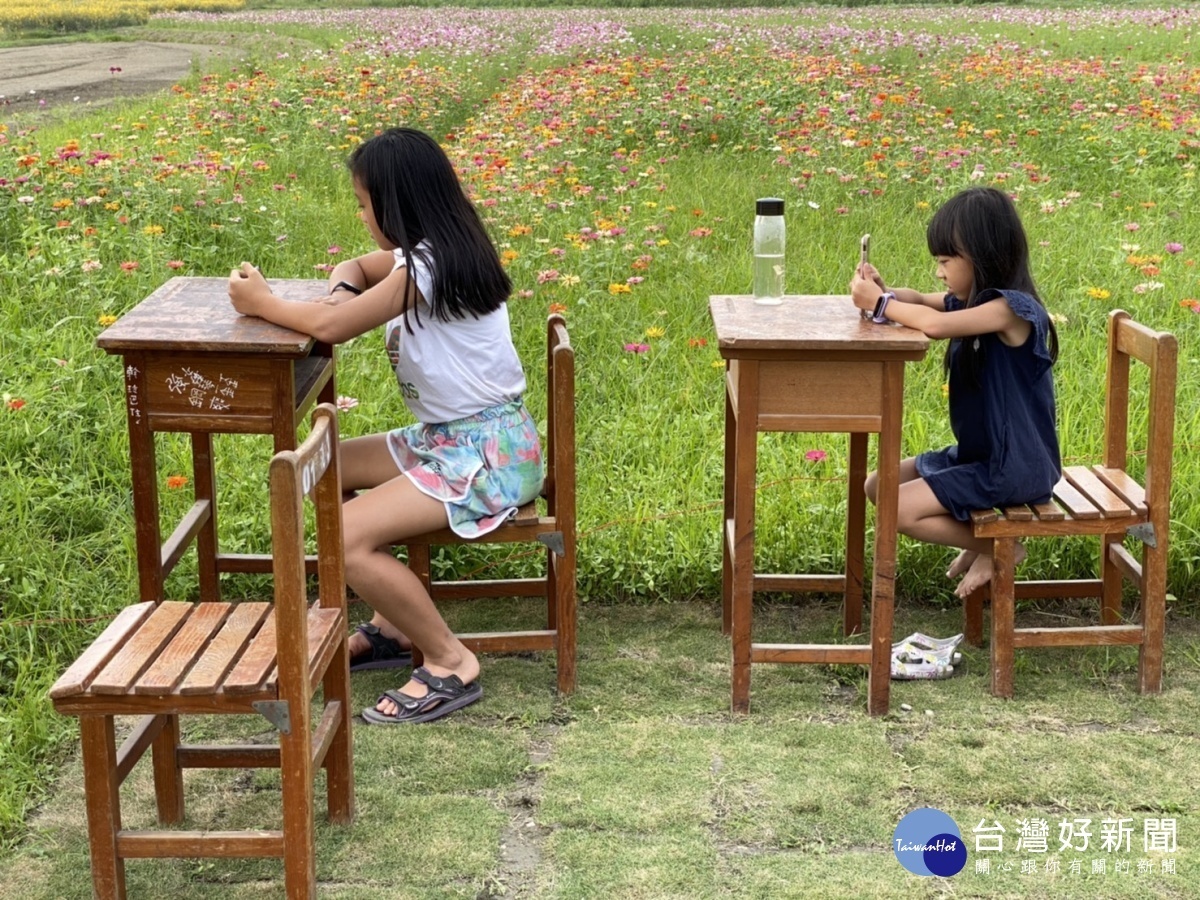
<point>616,156</point>
<point>641,785</point>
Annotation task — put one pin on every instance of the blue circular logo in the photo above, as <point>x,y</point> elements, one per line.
<point>928,842</point>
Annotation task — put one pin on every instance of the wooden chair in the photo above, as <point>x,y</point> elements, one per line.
<point>1104,500</point>
<point>555,529</point>
<point>162,660</point>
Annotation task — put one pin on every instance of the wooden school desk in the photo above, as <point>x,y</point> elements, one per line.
<point>194,365</point>
<point>812,364</point>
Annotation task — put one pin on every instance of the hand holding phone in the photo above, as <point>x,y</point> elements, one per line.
<point>865,251</point>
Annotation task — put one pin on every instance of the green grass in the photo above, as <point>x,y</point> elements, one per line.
<point>603,160</point>
<point>642,784</point>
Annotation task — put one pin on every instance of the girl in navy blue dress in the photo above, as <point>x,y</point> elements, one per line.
<point>1002,346</point>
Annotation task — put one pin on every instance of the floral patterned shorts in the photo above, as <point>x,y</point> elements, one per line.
<point>482,467</point>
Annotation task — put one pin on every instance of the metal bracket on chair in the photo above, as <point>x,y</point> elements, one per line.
<point>1144,532</point>
<point>276,712</point>
<point>554,540</point>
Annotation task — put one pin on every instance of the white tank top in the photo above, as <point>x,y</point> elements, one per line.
<point>451,370</point>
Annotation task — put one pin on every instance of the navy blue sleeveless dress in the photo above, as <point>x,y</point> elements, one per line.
<point>1007,451</point>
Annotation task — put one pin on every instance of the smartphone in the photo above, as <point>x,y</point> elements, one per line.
<point>865,250</point>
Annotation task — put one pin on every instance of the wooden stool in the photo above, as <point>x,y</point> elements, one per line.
<point>160,661</point>
<point>555,529</point>
<point>1104,500</point>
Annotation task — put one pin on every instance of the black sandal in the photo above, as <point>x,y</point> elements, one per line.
<point>445,695</point>
<point>383,652</point>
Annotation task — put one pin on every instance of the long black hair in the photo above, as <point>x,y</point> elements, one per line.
<point>982,225</point>
<point>416,196</point>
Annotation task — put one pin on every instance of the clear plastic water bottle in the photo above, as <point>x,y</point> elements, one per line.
<point>769,241</point>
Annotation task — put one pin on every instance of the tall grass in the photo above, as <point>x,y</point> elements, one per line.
<point>616,157</point>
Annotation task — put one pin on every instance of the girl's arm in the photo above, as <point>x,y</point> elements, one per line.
<point>927,312</point>
<point>867,285</point>
<point>332,323</point>
<point>363,271</point>
<point>995,316</point>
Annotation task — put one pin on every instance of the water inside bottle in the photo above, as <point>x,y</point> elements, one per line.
<point>768,278</point>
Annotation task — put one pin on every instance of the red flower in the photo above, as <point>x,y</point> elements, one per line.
<point>15,403</point>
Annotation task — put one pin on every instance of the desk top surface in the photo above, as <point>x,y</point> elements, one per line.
<point>806,322</point>
<point>195,315</point>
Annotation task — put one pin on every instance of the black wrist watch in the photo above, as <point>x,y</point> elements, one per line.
<point>346,286</point>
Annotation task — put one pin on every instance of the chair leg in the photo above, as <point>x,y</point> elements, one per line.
<point>168,774</point>
<point>299,837</point>
<point>1154,614</point>
<point>565,600</point>
<point>1112,581</point>
<point>102,794</point>
<point>973,616</point>
<point>551,591</point>
<point>339,761</point>
<point>1003,603</point>
<point>418,564</point>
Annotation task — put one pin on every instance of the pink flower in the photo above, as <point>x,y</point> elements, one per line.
<point>1132,226</point>
<point>323,267</point>
<point>700,232</point>
<point>344,402</point>
<point>815,455</point>
<point>1173,247</point>
<point>637,348</point>
<point>175,264</point>
<point>334,250</point>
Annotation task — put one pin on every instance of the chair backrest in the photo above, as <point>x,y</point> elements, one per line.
<point>1129,340</point>
<point>559,486</point>
<point>309,470</point>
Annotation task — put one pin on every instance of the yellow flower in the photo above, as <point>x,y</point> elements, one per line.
<point>1098,293</point>
<point>619,289</point>
<point>106,319</point>
<point>655,332</point>
<point>152,229</point>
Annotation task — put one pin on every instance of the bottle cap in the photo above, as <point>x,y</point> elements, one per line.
<point>769,206</point>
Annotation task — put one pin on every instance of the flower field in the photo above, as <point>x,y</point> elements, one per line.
<point>63,16</point>
<point>616,157</point>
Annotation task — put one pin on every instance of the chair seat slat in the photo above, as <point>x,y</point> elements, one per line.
<point>141,648</point>
<point>79,676</point>
<point>225,648</point>
<point>185,648</point>
<point>1048,512</point>
<point>256,663</point>
<point>1074,502</point>
<point>1018,513</point>
<point>1125,486</point>
<point>1111,506</point>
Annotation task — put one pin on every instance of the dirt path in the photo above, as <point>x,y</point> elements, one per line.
<point>56,75</point>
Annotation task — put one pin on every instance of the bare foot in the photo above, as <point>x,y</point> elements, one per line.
<point>467,670</point>
<point>961,563</point>
<point>980,572</point>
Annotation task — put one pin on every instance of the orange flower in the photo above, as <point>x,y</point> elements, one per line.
<point>560,308</point>
<point>174,482</point>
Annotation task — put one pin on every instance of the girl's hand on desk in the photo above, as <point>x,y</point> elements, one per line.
<point>247,288</point>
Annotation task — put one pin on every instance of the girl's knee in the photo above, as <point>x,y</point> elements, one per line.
<point>871,486</point>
